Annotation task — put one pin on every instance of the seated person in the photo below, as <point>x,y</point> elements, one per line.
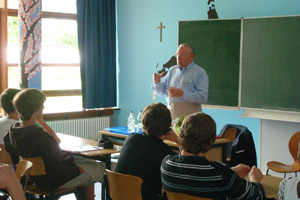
<point>12,116</point>
<point>10,182</point>
<point>289,188</point>
<point>191,173</point>
<point>25,139</point>
<point>142,154</point>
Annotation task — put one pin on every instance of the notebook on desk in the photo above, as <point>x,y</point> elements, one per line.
<point>82,148</point>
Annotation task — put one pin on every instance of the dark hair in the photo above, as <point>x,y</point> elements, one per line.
<point>156,120</point>
<point>6,99</point>
<point>197,133</point>
<point>28,101</point>
<point>188,45</point>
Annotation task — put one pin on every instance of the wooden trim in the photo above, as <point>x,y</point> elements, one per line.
<point>80,114</point>
<point>3,44</point>
<point>12,12</point>
<point>60,64</point>
<point>50,65</point>
<point>54,15</point>
<point>57,15</point>
<point>52,93</point>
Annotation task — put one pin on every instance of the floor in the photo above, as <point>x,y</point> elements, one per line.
<point>97,194</point>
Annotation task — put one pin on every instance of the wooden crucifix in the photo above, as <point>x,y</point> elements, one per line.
<point>161,27</point>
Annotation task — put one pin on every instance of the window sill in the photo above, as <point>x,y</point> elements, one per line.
<point>80,114</point>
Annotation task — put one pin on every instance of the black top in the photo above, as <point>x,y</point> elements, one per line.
<point>197,176</point>
<point>33,141</point>
<point>141,156</point>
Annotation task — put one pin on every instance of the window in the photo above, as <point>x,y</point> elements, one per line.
<point>60,77</point>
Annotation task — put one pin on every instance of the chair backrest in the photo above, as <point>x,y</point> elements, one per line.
<point>4,155</point>
<point>182,196</point>
<point>294,144</point>
<point>23,169</point>
<point>123,186</point>
<point>38,167</point>
<point>230,133</point>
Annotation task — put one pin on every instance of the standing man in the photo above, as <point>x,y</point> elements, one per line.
<point>185,85</point>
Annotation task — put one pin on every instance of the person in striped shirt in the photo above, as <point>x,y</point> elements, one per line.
<point>191,173</point>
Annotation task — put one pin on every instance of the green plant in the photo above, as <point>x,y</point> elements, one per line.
<point>179,122</point>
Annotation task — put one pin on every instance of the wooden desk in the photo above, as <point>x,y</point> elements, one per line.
<point>103,154</point>
<point>271,185</point>
<point>216,153</point>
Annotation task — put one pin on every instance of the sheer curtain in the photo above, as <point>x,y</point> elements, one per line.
<point>97,46</point>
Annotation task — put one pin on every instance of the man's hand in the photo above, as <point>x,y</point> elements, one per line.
<point>255,175</point>
<point>157,77</point>
<point>242,170</point>
<point>175,92</point>
<point>171,135</point>
<point>9,181</point>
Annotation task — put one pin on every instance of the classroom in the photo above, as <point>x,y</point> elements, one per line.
<point>142,48</point>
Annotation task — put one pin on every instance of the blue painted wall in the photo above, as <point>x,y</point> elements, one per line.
<point>139,48</point>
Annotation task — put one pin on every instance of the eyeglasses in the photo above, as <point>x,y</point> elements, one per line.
<point>182,55</point>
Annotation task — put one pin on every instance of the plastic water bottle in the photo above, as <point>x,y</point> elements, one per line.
<point>131,123</point>
<point>139,122</point>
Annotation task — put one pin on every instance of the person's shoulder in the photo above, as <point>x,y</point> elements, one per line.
<point>132,138</point>
<point>133,135</point>
<point>174,67</point>
<point>170,158</point>
<point>6,120</point>
<point>222,168</point>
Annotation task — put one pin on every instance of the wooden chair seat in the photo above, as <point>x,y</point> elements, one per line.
<point>38,169</point>
<point>123,186</point>
<point>34,189</point>
<point>4,155</point>
<point>182,196</point>
<point>23,169</point>
<point>285,168</point>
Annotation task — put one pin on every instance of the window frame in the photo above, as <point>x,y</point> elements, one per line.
<point>48,93</point>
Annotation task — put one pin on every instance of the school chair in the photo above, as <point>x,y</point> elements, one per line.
<point>22,172</point>
<point>229,133</point>
<point>243,147</point>
<point>285,168</point>
<point>4,155</point>
<point>123,186</point>
<point>181,196</point>
<point>38,169</point>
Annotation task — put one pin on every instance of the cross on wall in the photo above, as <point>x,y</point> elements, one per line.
<point>161,27</point>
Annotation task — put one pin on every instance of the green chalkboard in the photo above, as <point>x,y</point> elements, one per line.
<point>271,63</point>
<point>217,47</point>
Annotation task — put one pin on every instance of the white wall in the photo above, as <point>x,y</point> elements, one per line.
<point>275,136</point>
<point>139,50</point>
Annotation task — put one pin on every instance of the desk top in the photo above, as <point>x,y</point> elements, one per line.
<point>114,133</point>
<point>73,141</point>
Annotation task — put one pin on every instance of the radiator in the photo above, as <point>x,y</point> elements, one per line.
<point>85,128</point>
